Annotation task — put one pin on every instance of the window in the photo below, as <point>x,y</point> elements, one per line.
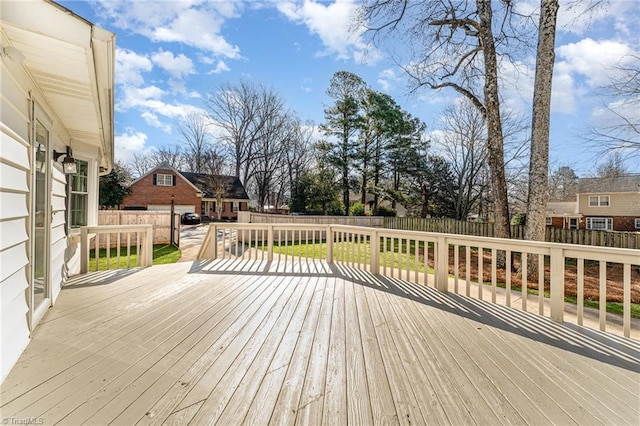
<point>79,195</point>
<point>599,201</point>
<point>600,223</point>
<point>234,206</point>
<point>637,222</point>
<point>163,180</point>
<point>548,221</point>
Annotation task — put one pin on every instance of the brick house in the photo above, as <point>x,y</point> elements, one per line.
<point>601,203</point>
<point>208,195</point>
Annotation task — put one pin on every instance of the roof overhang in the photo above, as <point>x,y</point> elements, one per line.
<point>72,62</point>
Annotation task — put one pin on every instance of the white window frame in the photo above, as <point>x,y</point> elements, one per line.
<point>162,179</point>
<point>84,194</point>
<point>608,223</point>
<point>599,201</point>
<point>637,222</point>
<point>548,221</point>
<point>235,206</point>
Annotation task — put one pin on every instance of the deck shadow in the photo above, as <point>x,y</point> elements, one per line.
<point>603,347</point>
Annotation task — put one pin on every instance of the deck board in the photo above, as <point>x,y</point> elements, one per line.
<point>252,342</point>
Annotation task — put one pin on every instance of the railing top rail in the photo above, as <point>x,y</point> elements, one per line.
<point>610,254</point>
<point>114,228</point>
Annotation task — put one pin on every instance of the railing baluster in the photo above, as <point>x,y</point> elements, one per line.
<point>97,251</point>
<point>626,300</point>
<point>480,272</point>
<point>580,272</point>
<point>138,249</point>
<point>128,250</point>
<point>118,251</point>
<point>508,276</point>
<point>540,284</point>
<point>108,251</point>
<point>494,275</point>
<point>456,265</point>
<point>468,269</point>
<point>416,249</point>
<point>602,301</point>
<point>523,260</point>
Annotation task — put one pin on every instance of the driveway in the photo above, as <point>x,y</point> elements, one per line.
<point>191,237</point>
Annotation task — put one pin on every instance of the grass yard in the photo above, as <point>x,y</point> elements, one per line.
<point>162,254</point>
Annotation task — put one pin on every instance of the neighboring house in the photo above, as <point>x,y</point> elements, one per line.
<point>208,195</point>
<point>562,214</point>
<point>601,203</point>
<point>57,105</point>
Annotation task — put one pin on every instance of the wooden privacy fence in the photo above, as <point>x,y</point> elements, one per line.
<point>589,237</point>
<point>160,221</point>
<point>371,221</point>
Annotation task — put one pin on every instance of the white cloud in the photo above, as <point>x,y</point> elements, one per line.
<point>388,78</point>
<point>177,66</point>
<point>129,143</point>
<point>333,23</point>
<point>195,23</point>
<point>221,67</point>
<point>130,66</point>
<point>152,120</point>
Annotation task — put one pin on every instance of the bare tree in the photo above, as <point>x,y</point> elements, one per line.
<point>619,127</point>
<point>454,46</point>
<point>169,154</point>
<point>240,113</point>
<point>562,183</point>
<point>195,132</point>
<point>463,145</point>
<point>612,166</point>
<point>140,164</point>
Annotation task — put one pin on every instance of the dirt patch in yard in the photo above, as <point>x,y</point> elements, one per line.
<point>591,290</point>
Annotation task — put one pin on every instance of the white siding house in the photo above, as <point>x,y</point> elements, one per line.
<point>56,95</point>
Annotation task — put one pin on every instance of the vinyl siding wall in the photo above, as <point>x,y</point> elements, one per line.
<point>15,224</point>
<point>620,204</point>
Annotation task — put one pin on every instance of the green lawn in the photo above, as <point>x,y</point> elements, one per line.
<point>162,254</point>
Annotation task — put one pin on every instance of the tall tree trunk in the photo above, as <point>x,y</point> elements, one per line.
<point>495,140</point>
<point>539,161</point>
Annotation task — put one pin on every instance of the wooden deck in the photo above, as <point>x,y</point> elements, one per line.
<point>237,342</point>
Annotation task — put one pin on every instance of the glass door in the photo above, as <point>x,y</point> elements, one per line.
<point>41,223</point>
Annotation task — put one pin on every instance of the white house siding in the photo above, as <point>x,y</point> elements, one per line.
<point>14,223</point>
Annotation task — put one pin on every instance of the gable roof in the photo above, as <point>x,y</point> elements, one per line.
<point>166,166</point>
<point>629,183</point>
<point>232,185</point>
<point>562,208</point>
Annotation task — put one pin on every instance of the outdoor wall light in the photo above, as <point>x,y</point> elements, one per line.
<point>69,164</point>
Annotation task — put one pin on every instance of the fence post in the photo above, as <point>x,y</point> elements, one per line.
<point>374,247</point>
<point>442,264</point>
<point>329,233</point>
<point>557,284</point>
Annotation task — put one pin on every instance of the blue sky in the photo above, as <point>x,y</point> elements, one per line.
<point>170,54</point>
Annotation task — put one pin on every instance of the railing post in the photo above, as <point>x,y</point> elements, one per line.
<point>329,237</point>
<point>270,242</point>
<point>557,284</point>
<point>374,246</point>
<point>442,264</point>
<point>148,261</point>
<point>84,250</point>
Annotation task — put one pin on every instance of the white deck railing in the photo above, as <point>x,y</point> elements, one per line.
<point>119,236</point>
<point>424,257</point>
